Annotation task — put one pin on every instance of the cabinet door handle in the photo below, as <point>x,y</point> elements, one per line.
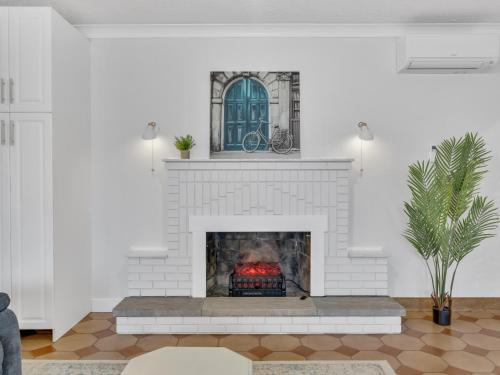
<point>11,90</point>
<point>2,90</point>
<point>2,135</point>
<point>12,132</point>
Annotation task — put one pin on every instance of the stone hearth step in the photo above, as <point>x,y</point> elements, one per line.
<point>257,306</point>
<point>358,306</point>
<point>181,315</point>
<point>159,306</point>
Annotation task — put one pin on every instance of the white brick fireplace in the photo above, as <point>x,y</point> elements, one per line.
<point>286,195</point>
<point>257,195</point>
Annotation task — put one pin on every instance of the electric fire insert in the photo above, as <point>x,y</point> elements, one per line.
<point>258,279</point>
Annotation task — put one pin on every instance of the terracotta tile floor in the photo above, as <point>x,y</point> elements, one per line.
<point>471,345</point>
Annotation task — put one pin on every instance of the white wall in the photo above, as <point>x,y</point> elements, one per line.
<point>343,81</point>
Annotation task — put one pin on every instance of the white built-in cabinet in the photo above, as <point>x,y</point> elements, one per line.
<point>25,54</point>
<point>44,127</point>
<point>26,178</point>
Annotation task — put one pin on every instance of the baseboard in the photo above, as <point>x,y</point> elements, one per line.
<point>105,304</point>
<point>459,303</point>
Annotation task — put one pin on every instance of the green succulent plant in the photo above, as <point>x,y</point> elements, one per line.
<point>184,143</point>
<point>447,216</point>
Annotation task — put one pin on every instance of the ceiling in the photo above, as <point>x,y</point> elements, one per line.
<point>270,11</point>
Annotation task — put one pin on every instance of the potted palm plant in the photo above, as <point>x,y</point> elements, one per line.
<point>447,216</point>
<point>184,145</point>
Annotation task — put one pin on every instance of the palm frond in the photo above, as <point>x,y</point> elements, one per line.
<point>478,225</point>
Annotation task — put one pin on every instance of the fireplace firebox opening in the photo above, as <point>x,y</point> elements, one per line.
<point>264,264</point>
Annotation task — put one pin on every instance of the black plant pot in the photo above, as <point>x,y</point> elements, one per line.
<point>441,317</point>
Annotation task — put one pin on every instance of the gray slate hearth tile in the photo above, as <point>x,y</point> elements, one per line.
<point>358,306</point>
<point>258,306</point>
<point>159,306</point>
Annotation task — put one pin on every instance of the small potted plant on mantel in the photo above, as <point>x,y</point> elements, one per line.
<point>447,216</point>
<point>184,145</point>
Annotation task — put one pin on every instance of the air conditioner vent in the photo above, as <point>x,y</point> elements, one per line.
<point>448,54</point>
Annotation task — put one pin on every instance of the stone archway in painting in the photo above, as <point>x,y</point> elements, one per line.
<point>245,103</point>
<point>279,87</point>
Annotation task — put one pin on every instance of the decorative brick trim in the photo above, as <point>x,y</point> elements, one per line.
<point>258,325</point>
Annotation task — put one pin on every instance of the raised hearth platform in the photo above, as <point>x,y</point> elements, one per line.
<point>182,315</point>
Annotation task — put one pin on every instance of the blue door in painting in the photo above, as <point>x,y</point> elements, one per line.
<point>244,104</point>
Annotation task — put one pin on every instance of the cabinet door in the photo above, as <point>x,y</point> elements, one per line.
<point>5,260</point>
<point>29,59</point>
<point>4,59</point>
<point>31,218</point>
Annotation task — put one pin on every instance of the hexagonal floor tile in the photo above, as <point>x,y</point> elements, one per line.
<point>346,350</point>
<point>494,356</point>
<point>283,356</point>
<point>304,351</point>
<point>105,356</point>
<point>371,355</point>
<point>106,332</point>
<point>362,342</point>
<point>43,351</point>
<point>492,324</point>
<point>477,314</point>
<point>463,326</point>
<point>280,343</point>
<point>239,343</point>
<point>92,326</point>
<point>154,342</point>
<point>443,342</point>
<point>482,341</point>
<point>198,341</point>
<point>260,351</point>
<point>74,342</point>
<point>327,355</point>
<point>425,326</point>
<point>402,342</point>
<point>321,342</point>
<point>468,362</point>
<point>36,342</point>
<point>86,351</point>
<point>131,352</point>
<point>115,343</point>
<point>421,361</point>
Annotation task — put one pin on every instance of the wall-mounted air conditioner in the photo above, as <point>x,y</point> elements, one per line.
<point>447,53</point>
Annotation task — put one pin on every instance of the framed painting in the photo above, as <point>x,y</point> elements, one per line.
<point>255,114</point>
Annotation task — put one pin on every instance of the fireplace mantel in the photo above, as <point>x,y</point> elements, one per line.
<point>307,160</point>
<point>305,163</point>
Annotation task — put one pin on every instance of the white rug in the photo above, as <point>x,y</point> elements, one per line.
<point>81,367</point>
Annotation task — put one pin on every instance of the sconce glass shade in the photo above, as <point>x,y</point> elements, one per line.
<point>364,132</point>
<point>151,131</point>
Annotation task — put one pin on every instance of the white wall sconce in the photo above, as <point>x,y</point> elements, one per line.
<point>365,135</point>
<point>150,134</point>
